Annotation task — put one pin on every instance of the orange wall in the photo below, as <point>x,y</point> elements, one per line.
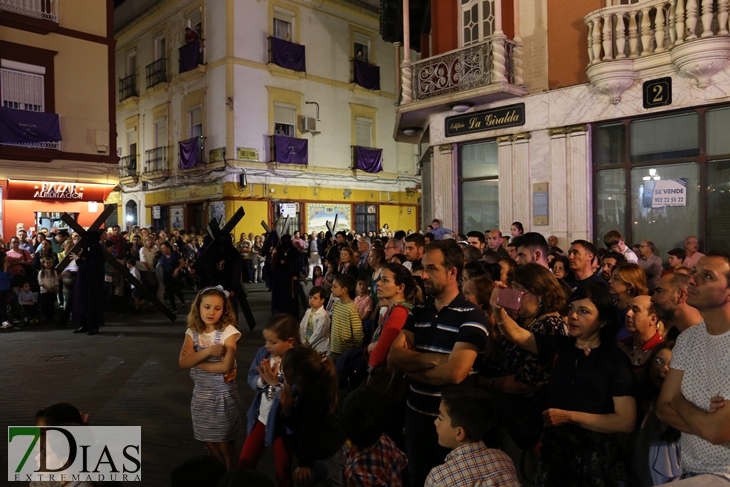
<point>17,211</point>
<point>568,41</point>
<point>444,26</point>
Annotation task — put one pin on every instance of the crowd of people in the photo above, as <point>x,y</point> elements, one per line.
<point>479,359</point>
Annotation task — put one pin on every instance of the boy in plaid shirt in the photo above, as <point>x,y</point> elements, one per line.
<point>465,416</point>
<point>373,459</point>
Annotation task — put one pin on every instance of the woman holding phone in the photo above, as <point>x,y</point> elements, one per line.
<point>591,397</point>
<point>518,379</point>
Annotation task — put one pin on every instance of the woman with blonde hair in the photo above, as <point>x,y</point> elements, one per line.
<point>627,281</point>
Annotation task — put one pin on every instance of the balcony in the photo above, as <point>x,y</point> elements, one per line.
<point>192,153</point>
<point>626,42</point>
<point>478,74</point>
<point>128,169</point>
<point>287,55</point>
<point>128,87</point>
<point>156,73</point>
<point>29,135</point>
<point>39,16</point>
<point>367,159</point>
<point>191,56</point>
<point>289,150</point>
<point>366,75</point>
<point>156,163</point>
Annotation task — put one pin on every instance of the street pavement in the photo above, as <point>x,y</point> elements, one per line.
<point>127,375</point>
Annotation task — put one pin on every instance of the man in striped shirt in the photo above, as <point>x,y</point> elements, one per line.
<point>441,344</point>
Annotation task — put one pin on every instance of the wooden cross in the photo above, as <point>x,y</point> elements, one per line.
<point>215,233</point>
<point>332,227</point>
<point>122,269</point>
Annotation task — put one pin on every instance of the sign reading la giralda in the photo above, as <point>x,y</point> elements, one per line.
<point>496,118</point>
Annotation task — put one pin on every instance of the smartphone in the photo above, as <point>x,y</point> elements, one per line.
<point>509,298</point>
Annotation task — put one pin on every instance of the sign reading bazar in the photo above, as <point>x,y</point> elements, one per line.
<point>496,118</point>
<point>57,191</point>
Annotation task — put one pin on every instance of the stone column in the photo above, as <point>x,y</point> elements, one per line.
<point>521,187</point>
<point>558,190</point>
<point>504,159</point>
<point>580,194</point>
<point>442,175</point>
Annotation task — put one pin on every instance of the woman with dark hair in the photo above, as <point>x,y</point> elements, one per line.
<point>654,444</point>
<point>627,281</point>
<point>506,265</point>
<point>517,229</point>
<point>591,397</point>
<point>45,252</point>
<point>561,267</point>
<point>518,379</point>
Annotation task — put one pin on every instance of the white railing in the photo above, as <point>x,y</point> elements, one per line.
<point>39,9</point>
<point>492,61</point>
<point>35,145</point>
<point>652,26</point>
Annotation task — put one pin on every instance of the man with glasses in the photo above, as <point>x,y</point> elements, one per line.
<point>652,264</point>
<point>393,247</point>
<point>691,246</point>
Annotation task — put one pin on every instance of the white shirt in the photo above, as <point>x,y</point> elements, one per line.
<point>147,256</point>
<point>630,255</point>
<point>320,339</point>
<point>705,360</point>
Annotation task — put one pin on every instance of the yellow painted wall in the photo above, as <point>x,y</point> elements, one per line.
<point>84,15</point>
<point>251,222</point>
<point>397,217</point>
<point>157,198</point>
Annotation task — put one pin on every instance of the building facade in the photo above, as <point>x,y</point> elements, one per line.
<point>282,107</point>
<point>575,118</point>
<point>57,112</point>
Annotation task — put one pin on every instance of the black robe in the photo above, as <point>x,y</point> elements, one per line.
<point>89,295</point>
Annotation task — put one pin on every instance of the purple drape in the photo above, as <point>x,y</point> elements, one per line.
<point>189,153</point>
<point>369,160</point>
<point>289,150</point>
<point>288,55</point>
<point>367,75</point>
<point>24,126</point>
<point>189,56</point>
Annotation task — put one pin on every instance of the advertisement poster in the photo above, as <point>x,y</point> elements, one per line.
<point>319,214</point>
<point>669,192</point>
<point>217,211</point>
<point>177,217</point>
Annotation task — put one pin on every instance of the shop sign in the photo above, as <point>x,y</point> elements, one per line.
<point>669,192</point>
<point>217,155</point>
<point>288,210</point>
<point>156,211</point>
<point>247,154</point>
<point>57,191</point>
<point>496,118</point>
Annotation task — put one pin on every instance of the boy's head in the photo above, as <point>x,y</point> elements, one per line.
<point>344,285</point>
<point>361,287</point>
<point>362,418</point>
<point>130,261</point>
<point>26,286</point>
<point>465,416</point>
<point>316,297</point>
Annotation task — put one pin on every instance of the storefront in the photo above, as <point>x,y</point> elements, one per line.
<point>40,204</point>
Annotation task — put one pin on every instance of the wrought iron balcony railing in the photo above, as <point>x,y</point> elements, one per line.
<point>128,87</point>
<point>128,166</point>
<point>156,72</point>
<point>156,160</point>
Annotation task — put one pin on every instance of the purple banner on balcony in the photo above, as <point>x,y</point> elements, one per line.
<point>189,153</point>
<point>288,150</point>
<point>367,75</point>
<point>288,55</point>
<point>189,56</point>
<point>369,160</point>
<point>24,126</point>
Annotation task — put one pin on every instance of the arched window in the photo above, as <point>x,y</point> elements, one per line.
<point>130,217</point>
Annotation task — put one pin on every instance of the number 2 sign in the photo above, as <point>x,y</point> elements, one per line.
<point>657,92</point>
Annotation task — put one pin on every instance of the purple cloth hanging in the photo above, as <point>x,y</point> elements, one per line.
<point>369,160</point>
<point>288,55</point>
<point>367,75</point>
<point>25,126</point>
<point>189,153</point>
<point>288,150</point>
<point>189,56</point>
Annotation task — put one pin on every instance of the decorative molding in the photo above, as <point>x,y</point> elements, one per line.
<point>557,131</point>
<point>504,138</point>
<point>446,149</point>
<point>577,128</point>
<point>521,136</point>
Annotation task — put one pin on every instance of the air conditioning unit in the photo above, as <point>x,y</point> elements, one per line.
<point>308,124</point>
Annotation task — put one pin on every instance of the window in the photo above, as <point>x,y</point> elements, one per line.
<point>283,24</point>
<point>477,20</point>
<point>366,218</point>
<point>717,140</point>
<point>718,201</point>
<point>195,119</point>
<point>361,47</point>
<point>159,47</point>
<point>131,63</point>
<point>363,132</point>
<point>671,137</point>
<point>160,223</point>
<point>195,21</point>
<point>610,202</point>
<point>161,132</point>
<point>285,119</point>
<point>479,183</point>
<point>22,86</point>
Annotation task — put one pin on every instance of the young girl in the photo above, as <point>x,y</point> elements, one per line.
<point>317,276</point>
<point>329,276</point>
<point>209,352</point>
<point>48,281</point>
<point>265,423</point>
<point>318,437</point>
<point>363,301</point>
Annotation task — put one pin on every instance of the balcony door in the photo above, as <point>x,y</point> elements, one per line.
<point>477,21</point>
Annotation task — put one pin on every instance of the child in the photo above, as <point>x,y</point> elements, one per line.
<point>317,277</point>
<point>373,458</point>
<point>346,324</point>
<point>48,282</point>
<point>465,416</point>
<point>315,326</point>
<point>6,279</point>
<point>132,266</point>
<point>318,437</point>
<point>27,300</point>
<point>265,423</point>
<point>209,351</point>
<point>329,276</point>
<point>363,301</point>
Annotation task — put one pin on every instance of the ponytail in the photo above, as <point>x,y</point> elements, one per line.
<point>402,277</point>
<point>306,363</point>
